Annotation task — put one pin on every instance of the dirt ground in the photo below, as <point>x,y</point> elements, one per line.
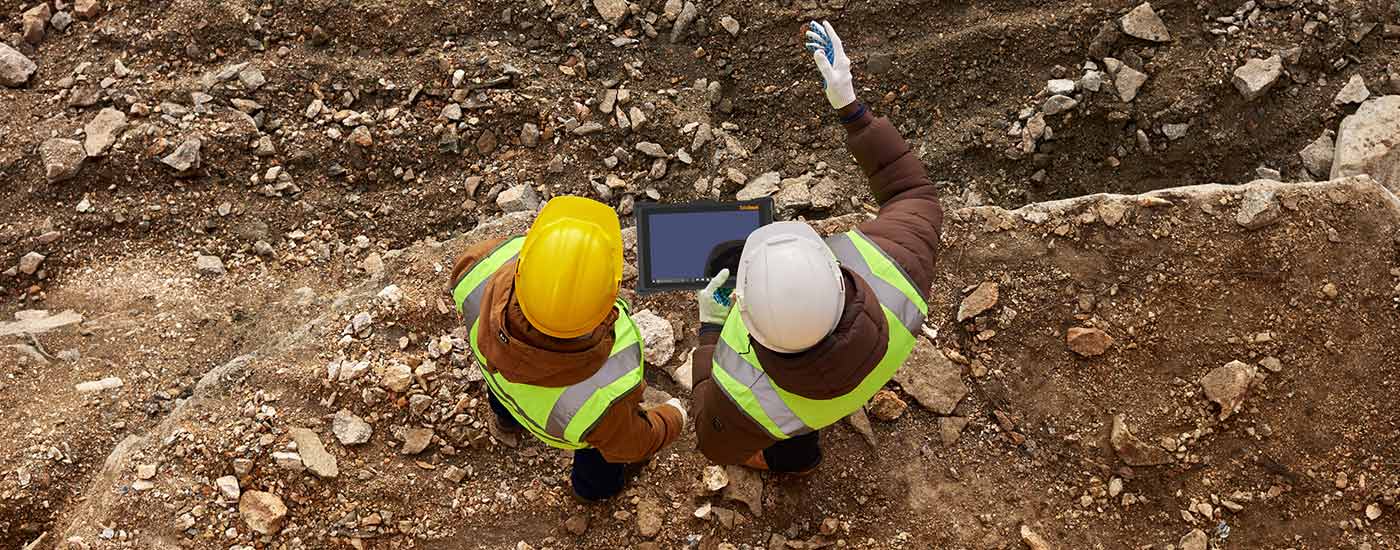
<point>217,367</point>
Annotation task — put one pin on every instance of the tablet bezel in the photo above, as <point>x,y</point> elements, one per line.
<point>647,209</point>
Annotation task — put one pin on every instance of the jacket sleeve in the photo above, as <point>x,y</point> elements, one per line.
<point>724,433</point>
<point>628,434</point>
<point>910,222</point>
<point>473,253</point>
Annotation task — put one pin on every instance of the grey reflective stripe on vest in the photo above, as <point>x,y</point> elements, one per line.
<point>619,365</point>
<point>892,298</point>
<point>762,388</point>
<point>471,307</point>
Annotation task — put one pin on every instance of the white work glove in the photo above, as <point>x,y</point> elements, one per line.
<point>677,404</point>
<point>831,60</point>
<point>711,309</point>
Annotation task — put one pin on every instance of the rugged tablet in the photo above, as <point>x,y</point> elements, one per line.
<point>681,246</point>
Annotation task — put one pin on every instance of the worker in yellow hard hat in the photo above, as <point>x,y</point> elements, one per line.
<point>560,355</point>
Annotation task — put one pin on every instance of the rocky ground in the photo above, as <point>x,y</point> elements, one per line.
<point>226,227</point>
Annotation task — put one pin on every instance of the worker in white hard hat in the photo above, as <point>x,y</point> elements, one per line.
<point>817,326</point>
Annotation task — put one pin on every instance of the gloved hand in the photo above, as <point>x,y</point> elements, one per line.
<point>831,60</point>
<point>712,310</point>
<point>685,417</point>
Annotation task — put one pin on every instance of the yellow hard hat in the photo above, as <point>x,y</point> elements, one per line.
<point>570,266</point>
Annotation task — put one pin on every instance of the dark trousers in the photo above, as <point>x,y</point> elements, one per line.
<point>593,477</point>
<point>796,454</point>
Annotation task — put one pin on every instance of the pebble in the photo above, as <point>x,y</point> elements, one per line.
<point>1092,81</point>
<point>1033,540</point>
<point>1226,386</point>
<point>714,478</point>
<point>263,512</point>
<point>1373,511</point>
<point>1257,76</point>
<point>1060,86</point>
<point>62,158</point>
<point>1088,342</point>
<point>730,25</point>
<point>87,9</point>
<point>612,10</point>
<point>350,429</point>
<point>210,265</point>
<point>398,378</point>
<point>588,129</point>
<point>288,460</point>
<point>313,453</point>
<point>983,298</point>
<point>529,135</point>
<point>15,68</point>
<point>146,471</point>
<point>1175,131</point>
<point>1143,22</point>
<point>651,149</point>
<point>950,428</point>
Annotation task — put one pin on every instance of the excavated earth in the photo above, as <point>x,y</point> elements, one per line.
<point>441,124</point>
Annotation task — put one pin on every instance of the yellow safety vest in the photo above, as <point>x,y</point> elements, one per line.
<point>559,416</point>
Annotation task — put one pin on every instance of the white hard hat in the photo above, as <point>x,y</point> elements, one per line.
<point>790,291</point>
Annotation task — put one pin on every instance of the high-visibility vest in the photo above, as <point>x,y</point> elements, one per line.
<point>558,416</point>
<point>738,373</point>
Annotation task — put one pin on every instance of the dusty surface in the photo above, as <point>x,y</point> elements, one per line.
<point>216,369</point>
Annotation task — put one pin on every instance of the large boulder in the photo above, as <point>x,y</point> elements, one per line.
<point>1368,142</point>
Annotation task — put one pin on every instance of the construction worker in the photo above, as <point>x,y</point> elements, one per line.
<point>560,355</point>
<point>817,326</point>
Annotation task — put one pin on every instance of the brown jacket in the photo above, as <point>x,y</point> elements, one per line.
<point>626,433</point>
<point>907,229</point>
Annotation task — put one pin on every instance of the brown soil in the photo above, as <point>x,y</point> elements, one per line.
<point>1181,288</point>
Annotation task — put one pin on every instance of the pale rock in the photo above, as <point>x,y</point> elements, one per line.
<point>1227,385</point>
<point>612,10</point>
<point>730,25</point>
<point>1129,81</point>
<point>109,383</point>
<point>29,263</point>
<point>210,265</point>
<point>983,298</point>
<point>648,517</point>
<point>1061,86</point>
<point>415,440</point>
<point>102,131</point>
<point>1260,208</point>
<point>1317,156</point>
<point>687,16</point>
<point>1143,22</point>
<point>350,429</point>
<point>1133,451</point>
<point>1033,540</point>
<point>288,460</point>
<point>1366,142</point>
<point>1353,92</point>
<point>1092,81</point>
<point>15,68</point>
<point>759,187</point>
<point>1088,342</point>
<point>1058,104</point>
<point>934,381</point>
<point>519,198</point>
<point>1195,540</point>
<point>950,428</point>
<point>886,406</point>
<point>314,454</point>
<point>714,479</point>
<point>228,486</point>
<point>398,377</point>
<point>185,158</point>
<point>1257,76</point>
<point>658,337</point>
<point>146,471</point>
<point>62,158</point>
<point>263,512</point>
<point>745,486</point>
<point>1175,131</point>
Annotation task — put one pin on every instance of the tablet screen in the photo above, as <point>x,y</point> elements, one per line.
<point>683,246</point>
